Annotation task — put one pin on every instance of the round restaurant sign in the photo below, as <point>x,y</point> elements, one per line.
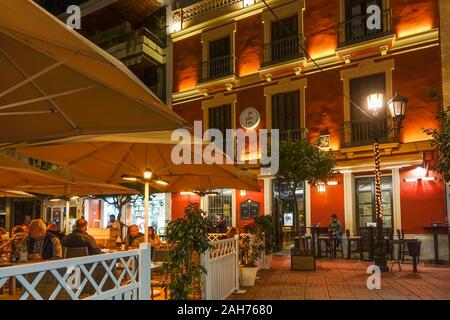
<point>249,118</point>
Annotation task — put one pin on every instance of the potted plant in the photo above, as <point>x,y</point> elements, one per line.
<point>188,237</point>
<point>266,228</point>
<point>252,247</point>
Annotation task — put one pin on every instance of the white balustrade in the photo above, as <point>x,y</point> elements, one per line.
<point>221,262</point>
<point>111,276</point>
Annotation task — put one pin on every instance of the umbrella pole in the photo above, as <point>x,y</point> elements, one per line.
<point>67,216</point>
<point>146,215</point>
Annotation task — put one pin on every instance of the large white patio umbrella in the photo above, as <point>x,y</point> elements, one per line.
<point>151,163</point>
<point>17,177</point>
<point>14,194</point>
<point>55,83</point>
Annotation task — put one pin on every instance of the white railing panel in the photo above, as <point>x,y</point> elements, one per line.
<point>221,263</point>
<point>119,275</point>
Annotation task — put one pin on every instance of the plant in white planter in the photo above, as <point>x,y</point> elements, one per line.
<point>252,248</point>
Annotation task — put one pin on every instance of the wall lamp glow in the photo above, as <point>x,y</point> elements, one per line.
<point>243,193</point>
<point>321,187</point>
<point>419,178</point>
<point>187,193</point>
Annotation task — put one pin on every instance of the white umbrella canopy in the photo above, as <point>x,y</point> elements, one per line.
<point>55,83</point>
<point>14,194</point>
<point>19,176</point>
<point>110,161</point>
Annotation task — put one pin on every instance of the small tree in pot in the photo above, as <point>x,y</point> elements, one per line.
<point>302,161</point>
<point>188,237</point>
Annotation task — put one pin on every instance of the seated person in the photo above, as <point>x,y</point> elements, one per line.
<point>335,227</point>
<point>79,238</point>
<point>221,225</point>
<point>134,237</point>
<point>153,238</point>
<point>53,228</point>
<point>3,234</point>
<point>15,241</point>
<point>113,223</point>
<point>41,244</point>
<point>231,233</point>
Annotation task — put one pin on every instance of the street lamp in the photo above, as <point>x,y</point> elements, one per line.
<point>397,107</point>
<point>146,178</point>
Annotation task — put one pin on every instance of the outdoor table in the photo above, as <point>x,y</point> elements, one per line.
<point>315,232</point>
<point>436,227</point>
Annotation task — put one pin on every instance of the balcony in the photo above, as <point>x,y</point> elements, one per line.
<point>133,46</point>
<point>294,134</point>
<point>216,68</point>
<point>282,50</point>
<point>355,30</point>
<point>358,133</point>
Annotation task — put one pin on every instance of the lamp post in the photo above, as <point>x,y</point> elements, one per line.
<point>146,178</point>
<point>396,106</point>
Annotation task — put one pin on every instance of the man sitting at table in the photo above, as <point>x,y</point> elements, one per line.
<point>79,238</point>
<point>335,227</point>
<point>134,237</point>
<point>53,228</point>
<point>41,244</point>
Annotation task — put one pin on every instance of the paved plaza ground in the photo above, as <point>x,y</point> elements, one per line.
<point>346,279</point>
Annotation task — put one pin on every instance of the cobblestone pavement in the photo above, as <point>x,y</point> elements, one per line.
<point>346,279</point>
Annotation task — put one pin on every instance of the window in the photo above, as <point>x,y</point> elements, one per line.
<point>355,25</point>
<point>220,118</point>
<point>284,40</point>
<point>157,212</point>
<point>220,59</point>
<point>365,201</point>
<point>286,111</point>
<point>219,204</point>
<point>361,127</point>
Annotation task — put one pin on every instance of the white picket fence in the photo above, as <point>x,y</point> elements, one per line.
<point>222,264</point>
<point>112,276</point>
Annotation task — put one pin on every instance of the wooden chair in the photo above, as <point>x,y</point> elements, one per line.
<point>160,279</point>
<point>354,239</point>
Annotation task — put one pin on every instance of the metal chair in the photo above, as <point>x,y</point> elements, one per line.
<point>354,239</point>
<point>68,252</point>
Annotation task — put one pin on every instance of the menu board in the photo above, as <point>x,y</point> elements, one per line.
<point>249,209</point>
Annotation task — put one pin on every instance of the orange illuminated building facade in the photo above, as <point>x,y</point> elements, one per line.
<point>233,55</point>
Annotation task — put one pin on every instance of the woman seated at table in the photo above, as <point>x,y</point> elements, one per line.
<point>153,238</point>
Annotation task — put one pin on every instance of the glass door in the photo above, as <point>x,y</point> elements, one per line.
<point>287,221</point>
<point>365,201</point>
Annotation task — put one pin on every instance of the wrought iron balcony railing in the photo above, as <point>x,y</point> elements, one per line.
<point>357,133</point>
<point>130,38</point>
<point>295,134</point>
<point>355,29</point>
<point>281,50</point>
<point>216,68</point>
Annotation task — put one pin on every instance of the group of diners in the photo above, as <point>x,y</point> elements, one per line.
<point>38,241</point>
